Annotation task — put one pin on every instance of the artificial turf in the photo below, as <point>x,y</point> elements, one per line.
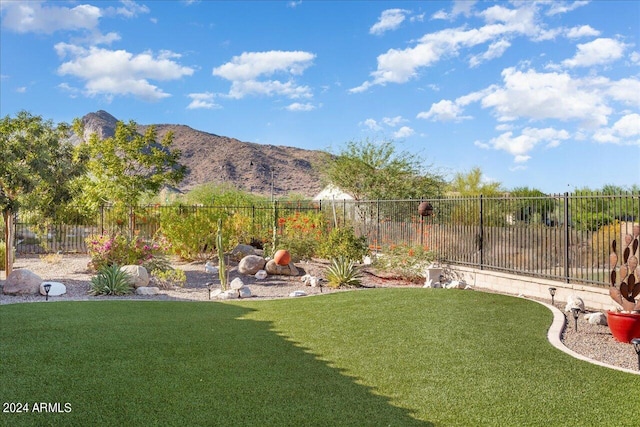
<point>398,357</point>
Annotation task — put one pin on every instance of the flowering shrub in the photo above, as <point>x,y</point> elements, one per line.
<point>301,234</point>
<point>408,262</point>
<point>118,249</point>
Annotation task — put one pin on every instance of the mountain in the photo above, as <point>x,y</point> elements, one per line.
<point>213,158</point>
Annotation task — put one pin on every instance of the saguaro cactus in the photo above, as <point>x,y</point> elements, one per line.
<point>222,268</point>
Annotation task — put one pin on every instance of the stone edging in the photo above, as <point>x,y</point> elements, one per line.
<point>554,336</point>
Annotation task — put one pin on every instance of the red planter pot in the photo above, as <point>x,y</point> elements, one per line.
<point>624,326</point>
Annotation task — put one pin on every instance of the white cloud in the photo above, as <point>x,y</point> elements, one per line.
<point>582,31</point>
<point>443,111</point>
<point>37,17</point>
<point>389,20</point>
<point>598,51</point>
<point>540,96</point>
<point>624,131</point>
<point>625,90</point>
<point>202,100</point>
<point>244,71</point>
<point>521,145</point>
<point>372,124</point>
<point>502,23</point>
<point>296,106</point>
<point>558,7</point>
<point>460,7</point>
<point>21,89</point>
<point>129,9</point>
<point>495,50</point>
<point>403,132</point>
<point>118,72</point>
<point>393,121</point>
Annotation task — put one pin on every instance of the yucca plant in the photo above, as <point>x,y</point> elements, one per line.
<point>110,281</point>
<point>343,272</point>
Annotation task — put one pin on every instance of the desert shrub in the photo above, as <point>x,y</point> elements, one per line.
<point>106,250</point>
<point>192,232</point>
<point>343,242</point>
<point>3,251</point>
<point>110,280</point>
<point>407,262</point>
<point>53,258</point>
<point>301,234</point>
<point>169,278</point>
<point>343,272</point>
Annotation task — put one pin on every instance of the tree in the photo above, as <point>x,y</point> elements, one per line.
<point>372,170</point>
<point>471,184</point>
<point>37,163</point>
<point>128,166</point>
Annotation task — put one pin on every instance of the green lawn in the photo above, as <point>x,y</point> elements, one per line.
<point>400,357</point>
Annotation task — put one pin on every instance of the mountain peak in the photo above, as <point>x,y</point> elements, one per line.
<point>212,158</point>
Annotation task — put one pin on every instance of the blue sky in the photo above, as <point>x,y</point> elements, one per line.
<point>544,94</point>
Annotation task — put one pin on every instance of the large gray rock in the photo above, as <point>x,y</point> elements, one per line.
<point>596,318</point>
<point>282,270</point>
<point>574,301</point>
<point>242,251</point>
<point>251,264</point>
<point>138,275</point>
<point>236,284</point>
<point>147,290</point>
<point>244,292</point>
<point>22,282</point>
<point>56,289</point>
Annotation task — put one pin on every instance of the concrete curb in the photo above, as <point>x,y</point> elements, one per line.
<point>554,336</point>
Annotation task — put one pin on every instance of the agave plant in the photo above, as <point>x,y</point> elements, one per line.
<point>626,291</point>
<point>343,272</point>
<point>110,281</point>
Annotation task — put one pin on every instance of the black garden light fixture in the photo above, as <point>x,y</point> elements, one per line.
<point>552,291</point>
<point>576,312</point>
<point>209,286</point>
<point>47,288</point>
<point>636,347</point>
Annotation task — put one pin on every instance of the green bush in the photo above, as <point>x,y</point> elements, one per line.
<point>343,272</point>
<point>343,242</point>
<point>2,254</point>
<point>192,232</point>
<point>110,281</point>
<point>407,262</point>
<point>170,278</point>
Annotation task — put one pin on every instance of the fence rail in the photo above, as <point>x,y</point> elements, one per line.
<point>560,237</point>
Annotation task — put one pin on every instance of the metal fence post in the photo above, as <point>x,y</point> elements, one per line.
<point>481,233</point>
<point>566,236</point>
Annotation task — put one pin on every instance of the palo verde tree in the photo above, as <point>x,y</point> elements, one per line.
<point>128,166</point>
<point>374,170</point>
<point>471,184</point>
<point>37,163</point>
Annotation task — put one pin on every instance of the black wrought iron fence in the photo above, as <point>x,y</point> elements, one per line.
<point>562,237</point>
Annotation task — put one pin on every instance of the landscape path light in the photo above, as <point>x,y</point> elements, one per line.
<point>552,291</point>
<point>47,288</point>
<point>209,285</point>
<point>576,313</point>
<point>636,347</point>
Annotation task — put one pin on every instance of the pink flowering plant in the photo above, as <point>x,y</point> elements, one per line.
<point>118,249</point>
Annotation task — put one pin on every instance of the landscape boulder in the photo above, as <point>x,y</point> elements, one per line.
<point>236,284</point>
<point>147,290</point>
<point>283,270</point>
<point>22,282</point>
<point>242,251</point>
<point>56,289</point>
<point>251,264</point>
<point>574,301</point>
<point>596,318</point>
<point>261,275</point>
<point>138,276</point>
<point>244,292</point>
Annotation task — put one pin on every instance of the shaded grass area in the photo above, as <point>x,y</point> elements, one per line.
<point>398,357</point>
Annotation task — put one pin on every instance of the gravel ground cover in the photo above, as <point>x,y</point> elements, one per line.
<point>593,341</point>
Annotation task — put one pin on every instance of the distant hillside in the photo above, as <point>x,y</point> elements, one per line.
<point>220,159</point>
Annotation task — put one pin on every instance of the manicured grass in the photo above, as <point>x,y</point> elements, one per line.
<point>396,357</point>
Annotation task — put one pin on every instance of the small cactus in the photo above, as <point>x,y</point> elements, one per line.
<point>222,268</point>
